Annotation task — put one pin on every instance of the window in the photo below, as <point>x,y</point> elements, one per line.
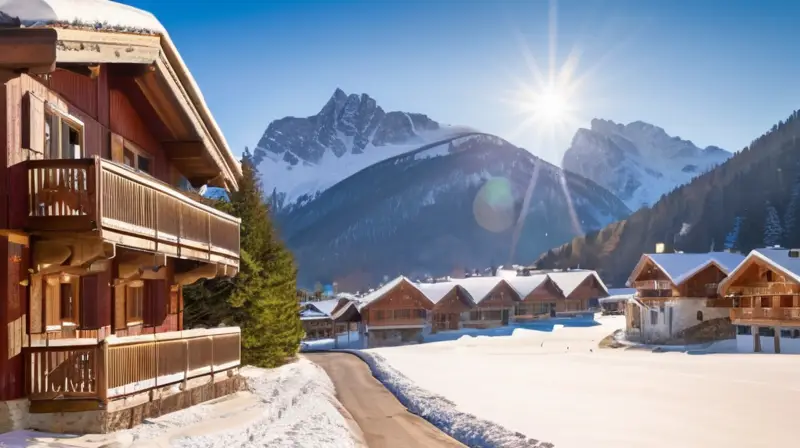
<point>653,317</point>
<point>766,332</point>
<point>136,158</point>
<point>768,276</point>
<point>134,304</point>
<point>700,316</point>
<point>68,298</point>
<point>63,136</point>
<point>743,330</point>
<point>786,333</point>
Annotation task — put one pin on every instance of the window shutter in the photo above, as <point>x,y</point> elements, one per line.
<point>33,123</point>
<point>117,148</point>
<point>95,302</point>
<point>174,291</point>
<point>155,302</point>
<point>52,304</point>
<point>36,301</point>
<point>119,308</point>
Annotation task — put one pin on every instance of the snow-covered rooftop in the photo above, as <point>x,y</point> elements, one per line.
<point>679,267</point>
<point>436,291</point>
<point>478,287</point>
<point>378,293</point>
<point>98,14</point>
<point>525,285</point>
<point>310,313</point>
<point>777,257</point>
<point>570,280</point>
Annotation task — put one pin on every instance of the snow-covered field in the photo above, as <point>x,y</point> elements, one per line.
<point>291,406</point>
<point>557,386</point>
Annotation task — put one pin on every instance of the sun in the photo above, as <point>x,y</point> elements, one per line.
<point>548,105</point>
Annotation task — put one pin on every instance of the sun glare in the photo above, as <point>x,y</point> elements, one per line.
<point>549,106</point>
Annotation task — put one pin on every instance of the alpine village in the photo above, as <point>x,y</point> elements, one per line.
<point>131,295</point>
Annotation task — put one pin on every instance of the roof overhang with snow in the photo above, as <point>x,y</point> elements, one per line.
<point>682,277</point>
<point>765,257</point>
<point>93,32</point>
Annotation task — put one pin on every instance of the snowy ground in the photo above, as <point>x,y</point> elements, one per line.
<point>557,386</point>
<point>292,406</point>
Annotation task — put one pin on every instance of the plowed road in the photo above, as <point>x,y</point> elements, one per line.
<point>385,422</point>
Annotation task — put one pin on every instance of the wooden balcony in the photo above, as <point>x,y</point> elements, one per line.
<point>652,285</point>
<point>773,314</point>
<point>765,289</point>
<point>126,207</point>
<point>75,369</point>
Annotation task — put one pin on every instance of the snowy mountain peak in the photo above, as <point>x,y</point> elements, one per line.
<point>300,157</point>
<point>637,161</point>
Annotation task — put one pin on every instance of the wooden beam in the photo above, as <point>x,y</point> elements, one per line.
<point>185,149</point>
<point>28,49</point>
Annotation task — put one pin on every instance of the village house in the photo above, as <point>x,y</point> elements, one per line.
<point>762,297</point>
<point>539,294</point>
<point>451,304</point>
<point>494,301</point>
<point>105,135</point>
<point>395,314</point>
<point>326,319</point>
<point>672,293</point>
<point>581,290</point>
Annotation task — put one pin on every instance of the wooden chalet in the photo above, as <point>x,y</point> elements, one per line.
<point>105,135</point>
<point>539,297</point>
<point>762,297</point>
<point>494,300</point>
<point>325,319</point>
<point>580,289</point>
<point>451,304</point>
<point>672,293</point>
<point>396,313</point>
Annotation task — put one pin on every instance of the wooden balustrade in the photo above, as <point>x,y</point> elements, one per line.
<point>765,313</point>
<point>122,366</point>
<point>92,194</point>
<point>653,285</point>
<point>765,289</point>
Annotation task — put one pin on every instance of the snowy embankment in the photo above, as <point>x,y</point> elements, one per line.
<point>442,413</point>
<point>290,406</point>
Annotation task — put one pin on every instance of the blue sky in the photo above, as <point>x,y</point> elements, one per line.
<point>715,72</point>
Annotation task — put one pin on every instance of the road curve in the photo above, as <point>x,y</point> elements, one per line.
<point>385,422</point>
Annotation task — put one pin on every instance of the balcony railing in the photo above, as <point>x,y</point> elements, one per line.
<point>652,285</point>
<point>765,313</point>
<point>765,289</point>
<point>97,194</point>
<point>115,367</point>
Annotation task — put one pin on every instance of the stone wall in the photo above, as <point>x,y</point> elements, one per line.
<point>13,415</point>
<point>394,337</point>
<point>710,330</point>
<point>132,410</point>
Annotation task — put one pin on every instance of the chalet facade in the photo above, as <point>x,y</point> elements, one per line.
<point>326,319</point>
<point>104,134</point>
<point>673,292</point>
<point>539,297</point>
<point>398,313</point>
<point>762,297</point>
<point>494,300</point>
<point>452,304</point>
<point>581,290</point>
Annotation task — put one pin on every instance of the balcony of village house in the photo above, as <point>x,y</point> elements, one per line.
<point>123,206</point>
<point>776,314</point>
<point>765,289</point>
<point>397,318</point>
<point>653,288</point>
<point>84,374</point>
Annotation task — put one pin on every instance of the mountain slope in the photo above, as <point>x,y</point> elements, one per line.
<point>638,162</point>
<point>440,209</point>
<point>300,157</point>
<point>751,200</point>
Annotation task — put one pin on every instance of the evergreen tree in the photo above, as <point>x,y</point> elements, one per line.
<point>261,299</point>
<point>772,227</point>
<point>732,238</point>
<point>790,230</point>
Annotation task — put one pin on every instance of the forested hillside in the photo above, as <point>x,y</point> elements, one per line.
<point>749,201</point>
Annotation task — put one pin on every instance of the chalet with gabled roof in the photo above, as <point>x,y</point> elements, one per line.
<point>396,313</point>
<point>673,292</point>
<point>105,137</point>
<point>762,297</point>
<point>539,297</point>
<point>452,304</point>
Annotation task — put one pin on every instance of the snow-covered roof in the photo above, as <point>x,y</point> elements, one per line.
<point>435,292</point>
<point>777,257</point>
<point>679,267</point>
<point>326,306</point>
<point>478,287</point>
<point>378,293</point>
<point>618,295</point>
<point>109,16</point>
<point>525,285</point>
<point>100,14</point>
<point>311,313</point>
<point>569,281</point>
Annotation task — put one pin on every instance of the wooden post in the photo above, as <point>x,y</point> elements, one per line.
<point>777,339</point>
<point>102,371</point>
<point>756,338</point>
<point>186,363</point>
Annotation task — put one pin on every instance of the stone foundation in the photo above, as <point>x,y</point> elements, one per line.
<point>130,411</point>
<point>13,415</point>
